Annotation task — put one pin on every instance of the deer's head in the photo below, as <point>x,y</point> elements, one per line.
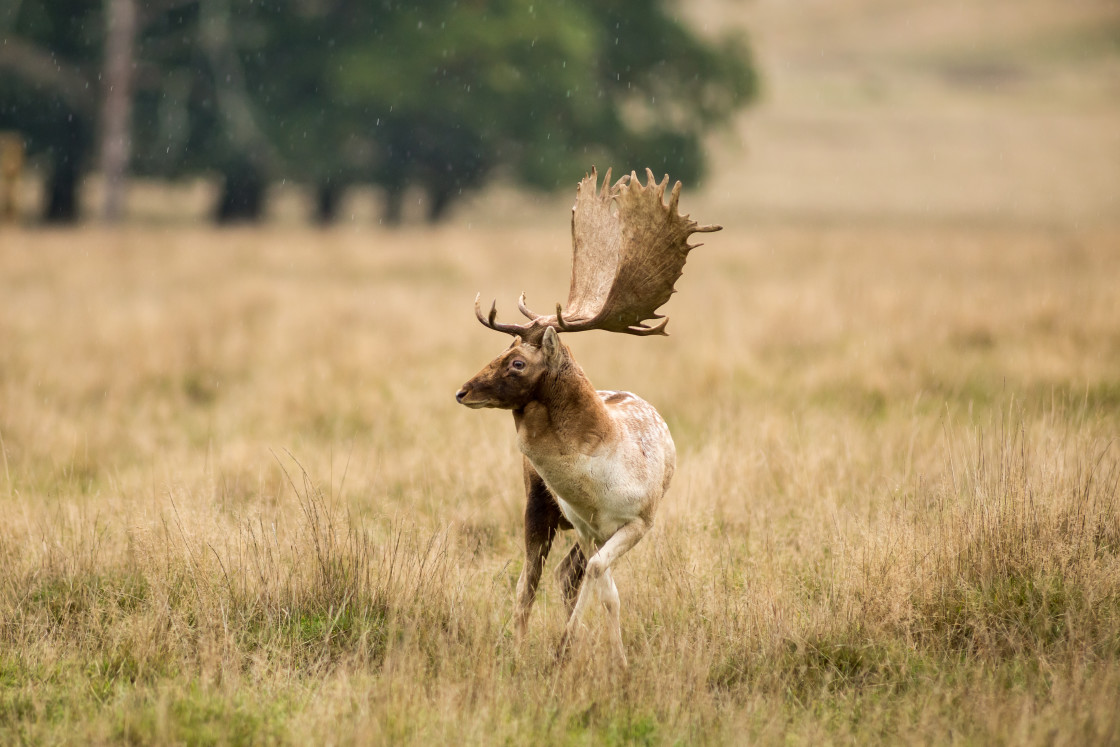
<point>510,381</point>
<point>628,249</point>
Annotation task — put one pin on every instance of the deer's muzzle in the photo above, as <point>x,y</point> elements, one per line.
<point>463,397</point>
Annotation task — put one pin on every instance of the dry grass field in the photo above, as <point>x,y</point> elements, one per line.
<point>239,504</point>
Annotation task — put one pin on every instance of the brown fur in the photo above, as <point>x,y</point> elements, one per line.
<point>525,391</point>
<point>605,458</point>
<point>597,462</point>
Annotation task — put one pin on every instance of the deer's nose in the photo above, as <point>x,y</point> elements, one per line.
<point>460,394</point>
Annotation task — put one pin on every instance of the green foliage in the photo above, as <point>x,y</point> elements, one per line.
<point>41,102</point>
<point>441,95</point>
<point>456,91</point>
<point>51,54</point>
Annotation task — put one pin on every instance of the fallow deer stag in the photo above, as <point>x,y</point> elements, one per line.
<point>598,462</point>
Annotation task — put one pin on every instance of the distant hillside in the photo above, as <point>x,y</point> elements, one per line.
<point>998,110</point>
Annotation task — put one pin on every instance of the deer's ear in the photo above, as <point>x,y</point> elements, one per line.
<point>516,342</point>
<point>550,346</point>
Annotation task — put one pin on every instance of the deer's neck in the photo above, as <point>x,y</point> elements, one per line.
<point>566,417</point>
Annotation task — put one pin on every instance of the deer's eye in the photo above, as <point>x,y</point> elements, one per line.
<point>517,365</point>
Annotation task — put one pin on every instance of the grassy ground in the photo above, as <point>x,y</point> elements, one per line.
<point>239,504</point>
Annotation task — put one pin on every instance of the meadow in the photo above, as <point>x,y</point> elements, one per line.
<point>239,504</point>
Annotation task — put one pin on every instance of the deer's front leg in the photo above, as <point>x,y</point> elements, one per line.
<point>542,519</point>
<point>598,584</point>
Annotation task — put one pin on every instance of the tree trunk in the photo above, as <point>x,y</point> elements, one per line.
<point>62,189</point>
<point>394,206</point>
<point>242,197</point>
<point>11,169</point>
<point>440,200</point>
<point>326,203</point>
<point>116,109</point>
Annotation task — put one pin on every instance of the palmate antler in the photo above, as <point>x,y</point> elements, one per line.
<point>624,262</point>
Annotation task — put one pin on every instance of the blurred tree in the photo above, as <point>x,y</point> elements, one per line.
<point>456,91</point>
<point>195,110</point>
<point>440,95</point>
<point>49,53</point>
<point>62,66</point>
<point>116,108</point>
<point>320,142</point>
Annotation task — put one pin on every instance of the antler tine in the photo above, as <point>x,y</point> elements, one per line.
<point>478,310</point>
<point>523,308</point>
<point>561,322</point>
<point>640,330</point>
<point>656,329</point>
<point>651,182</point>
<point>674,198</point>
<point>606,190</point>
<point>489,319</point>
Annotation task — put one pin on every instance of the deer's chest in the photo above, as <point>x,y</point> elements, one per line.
<point>601,484</point>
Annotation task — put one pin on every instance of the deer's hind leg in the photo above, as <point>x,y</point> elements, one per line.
<point>542,520</point>
<point>569,574</point>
